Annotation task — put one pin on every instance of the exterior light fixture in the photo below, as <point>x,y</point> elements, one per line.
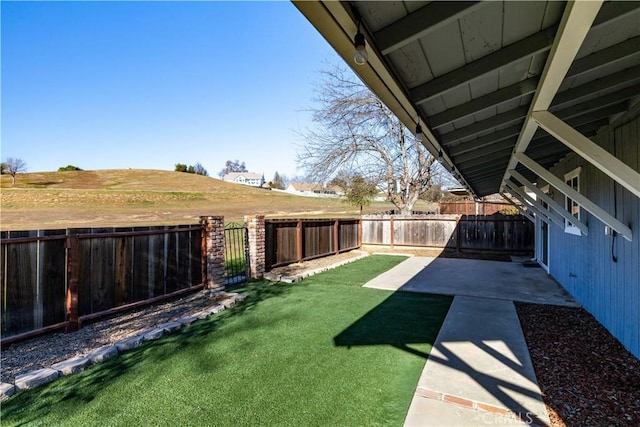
<point>361,56</point>
<point>440,156</point>
<point>419,134</point>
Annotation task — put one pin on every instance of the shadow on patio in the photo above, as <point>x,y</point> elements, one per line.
<point>479,365</point>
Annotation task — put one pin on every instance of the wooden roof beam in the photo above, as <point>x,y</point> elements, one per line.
<point>536,43</point>
<point>587,204</point>
<point>550,202</point>
<point>420,23</point>
<point>528,86</point>
<point>576,22</point>
<point>545,214</point>
<point>520,208</point>
<point>590,151</point>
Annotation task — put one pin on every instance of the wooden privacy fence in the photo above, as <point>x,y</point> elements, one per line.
<point>468,207</point>
<point>512,233</point>
<point>57,278</point>
<point>294,240</point>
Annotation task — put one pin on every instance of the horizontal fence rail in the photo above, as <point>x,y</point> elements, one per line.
<point>473,208</point>
<point>294,240</point>
<point>57,278</point>
<point>499,233</point>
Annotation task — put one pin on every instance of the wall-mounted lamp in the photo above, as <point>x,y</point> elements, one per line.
<point>440,156</point>
<point>419,134</point>
<point>361,56</point>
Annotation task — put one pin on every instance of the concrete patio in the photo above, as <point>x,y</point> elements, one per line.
<point>469,277</point>
<point>479,371</point>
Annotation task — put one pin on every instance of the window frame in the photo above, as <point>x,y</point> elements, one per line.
<point>571,205</point>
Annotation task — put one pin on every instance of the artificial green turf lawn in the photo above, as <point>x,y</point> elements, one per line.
<point>321,352</point>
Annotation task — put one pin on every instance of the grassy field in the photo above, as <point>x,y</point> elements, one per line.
<point>323,352</point>
<point>147,197</point>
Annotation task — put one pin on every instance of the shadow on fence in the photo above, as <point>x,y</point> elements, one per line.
<point>471,233</point>
<point>55,278</point>
<point>294,240</point>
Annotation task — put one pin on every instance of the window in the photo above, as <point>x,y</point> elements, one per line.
<point>572,179</point>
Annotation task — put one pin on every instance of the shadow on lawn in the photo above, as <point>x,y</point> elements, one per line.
<point>71,392</point>
<point>401,320</point>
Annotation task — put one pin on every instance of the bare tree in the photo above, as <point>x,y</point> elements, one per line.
<point>232,166</point>
<point>198,169</point>
<point>13,166</point>
<point>358,135</point>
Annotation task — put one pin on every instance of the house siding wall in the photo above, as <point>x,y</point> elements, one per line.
<point>584,265</point>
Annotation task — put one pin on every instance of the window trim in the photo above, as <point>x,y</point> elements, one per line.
<point>569,176</point>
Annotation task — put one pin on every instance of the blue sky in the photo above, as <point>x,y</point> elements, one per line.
<point>108,85</point>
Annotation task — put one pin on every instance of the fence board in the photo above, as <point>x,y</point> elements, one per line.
<point>123,269</point>
<point>52,277</point>
<point>85,295</point>
<point>184,260</point>
<point>281,242</point>
<point>156,264</point>
<point>19,290</point>
<point>466,232</point>
<point>141,260</point>
<point>112,270</point>
<point>101,271</point>
<point>317,238</point>
<point>173,262</point>
<point>348,235</point>
<point>195,254</point>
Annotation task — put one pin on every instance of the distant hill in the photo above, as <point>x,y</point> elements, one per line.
<point>124,197</point>
<point>120,179</point>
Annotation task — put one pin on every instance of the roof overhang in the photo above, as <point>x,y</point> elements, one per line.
<point>491,80</point>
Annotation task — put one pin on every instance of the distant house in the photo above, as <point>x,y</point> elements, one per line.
<point>314,190</point>
<point>246,178</point>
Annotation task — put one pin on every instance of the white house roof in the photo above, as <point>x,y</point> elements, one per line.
<point>487,80</point>
<point>232,176</point>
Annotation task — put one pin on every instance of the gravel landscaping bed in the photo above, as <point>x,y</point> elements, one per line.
<point>45,350</point>
<point>586,376</point>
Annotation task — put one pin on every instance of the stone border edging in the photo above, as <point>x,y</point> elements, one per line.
<point>299,277</point>
<point>79,363</point>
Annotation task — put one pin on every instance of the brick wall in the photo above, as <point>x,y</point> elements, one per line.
<point>214,243</point>
<point>256,236</point>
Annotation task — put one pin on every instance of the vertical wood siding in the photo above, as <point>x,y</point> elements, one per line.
<point>584,265</point>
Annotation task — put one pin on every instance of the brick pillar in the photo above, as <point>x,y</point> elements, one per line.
<point>256,237</point>
<point>214,251</point>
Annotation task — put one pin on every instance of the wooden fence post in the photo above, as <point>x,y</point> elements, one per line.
<point>392,236</point>
<point>336,236</point>
<point>73,277</point>
<point>300,249</point>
